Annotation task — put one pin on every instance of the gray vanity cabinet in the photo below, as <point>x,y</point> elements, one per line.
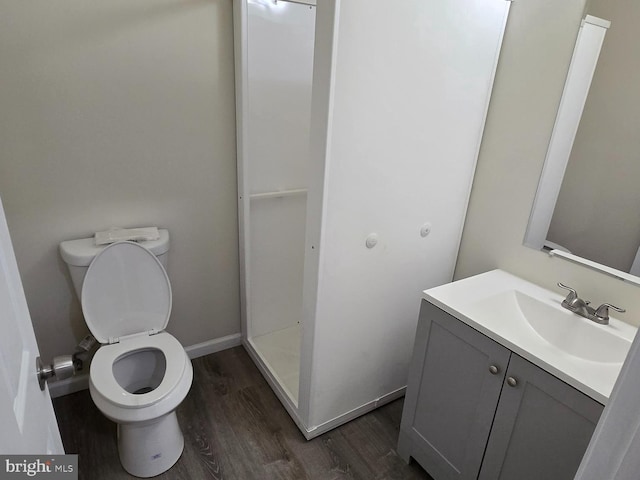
<point>542,427</point>
<point>473,409</point>
<point>451,396</point>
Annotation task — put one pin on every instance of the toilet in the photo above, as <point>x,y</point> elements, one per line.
<point>140,373</point>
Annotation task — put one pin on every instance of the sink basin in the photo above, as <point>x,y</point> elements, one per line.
<point>562,329</point>
<point>575,335</point>
<point>529,320</point>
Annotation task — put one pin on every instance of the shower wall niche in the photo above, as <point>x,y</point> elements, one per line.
<point>359,124</point>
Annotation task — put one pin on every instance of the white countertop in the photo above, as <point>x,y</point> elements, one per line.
<point>489,304</point>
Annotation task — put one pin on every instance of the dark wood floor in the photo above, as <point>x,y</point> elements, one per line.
<point>235,428</point>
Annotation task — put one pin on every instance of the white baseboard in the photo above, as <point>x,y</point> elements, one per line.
<point>213,346</point>
<point>69,385</point>
<point>81,382</point>
<point>355,413</point>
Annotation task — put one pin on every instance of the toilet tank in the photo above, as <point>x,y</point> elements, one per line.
<point>78,255</point>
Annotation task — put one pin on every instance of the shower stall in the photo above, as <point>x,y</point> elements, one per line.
<point>359,124</point>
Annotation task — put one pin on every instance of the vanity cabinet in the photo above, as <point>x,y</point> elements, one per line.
<point>474,409</point>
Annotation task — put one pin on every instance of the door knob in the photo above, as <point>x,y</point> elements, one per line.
<point>512,382</point>
<point>494,369</point>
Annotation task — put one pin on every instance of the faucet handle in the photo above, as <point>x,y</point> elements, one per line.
<point>572,295</point>
<point>602,312</point>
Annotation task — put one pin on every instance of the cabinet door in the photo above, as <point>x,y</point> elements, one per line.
<point>451,396</point>
<point>542,427</point>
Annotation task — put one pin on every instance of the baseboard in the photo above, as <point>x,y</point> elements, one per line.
<point>69,385</point>
<point>213,346</point>
<point>81,382</point>
<point>355,413</point>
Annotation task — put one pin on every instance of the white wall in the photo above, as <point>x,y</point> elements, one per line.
<point>121,113</point>
<point>535,56</point>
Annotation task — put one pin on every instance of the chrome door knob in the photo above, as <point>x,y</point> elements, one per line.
<point>494,370</point>
<point>512,382</point>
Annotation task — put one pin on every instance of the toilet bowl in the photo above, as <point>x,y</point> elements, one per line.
<point>138,383</point>
<point>140,373</point>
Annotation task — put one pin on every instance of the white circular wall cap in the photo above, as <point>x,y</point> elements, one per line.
<point>425,229</point>
<point>372,240</point>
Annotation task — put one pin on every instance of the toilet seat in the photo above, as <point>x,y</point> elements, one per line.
<point>104,382</point>
<point>126,301</point>
<point>125,292</point>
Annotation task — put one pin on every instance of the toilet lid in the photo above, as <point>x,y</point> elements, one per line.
<point>125,291</point>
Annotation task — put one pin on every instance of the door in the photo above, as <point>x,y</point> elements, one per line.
<point>27,421</point>
<point>454,384</point>
<point>542,427</point>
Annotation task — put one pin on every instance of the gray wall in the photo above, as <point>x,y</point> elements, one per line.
<point>121,113</point>
<point>600,189</point>
<point>536,52</point>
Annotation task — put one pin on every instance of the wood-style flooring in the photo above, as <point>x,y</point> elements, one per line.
<point>235,428</point>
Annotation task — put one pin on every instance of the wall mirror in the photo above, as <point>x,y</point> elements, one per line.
<point>588,201</point>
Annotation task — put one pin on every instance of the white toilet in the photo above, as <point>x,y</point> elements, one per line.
<point>141,373</point>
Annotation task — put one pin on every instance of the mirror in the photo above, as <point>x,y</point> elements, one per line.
<point>588,201</point>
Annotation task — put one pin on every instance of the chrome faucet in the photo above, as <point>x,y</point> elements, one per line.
<point>581,307</point>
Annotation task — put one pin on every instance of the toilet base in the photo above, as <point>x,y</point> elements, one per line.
<point>150,448</point>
